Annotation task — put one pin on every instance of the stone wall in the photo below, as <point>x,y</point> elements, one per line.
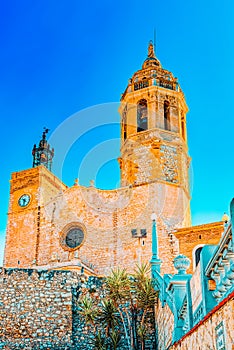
<point>164,325</point>
<point>39,310</point>
<point>35,307</point>
<point>214,332</point>
<point>35,232</point>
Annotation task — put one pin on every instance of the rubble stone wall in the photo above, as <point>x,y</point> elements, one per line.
<point>164,325</point>
<point>39,310</point>
<point>35,307</point>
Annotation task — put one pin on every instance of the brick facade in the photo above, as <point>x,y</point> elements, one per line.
<point>194,237</point>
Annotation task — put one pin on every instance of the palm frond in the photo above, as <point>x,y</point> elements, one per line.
<point>115,339</point>
<point>87,309</point>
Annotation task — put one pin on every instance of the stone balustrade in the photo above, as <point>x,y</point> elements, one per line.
<point>221,266</point>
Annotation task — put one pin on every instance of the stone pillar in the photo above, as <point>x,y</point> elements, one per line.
<point>155,261</point>
<point>179,288</point>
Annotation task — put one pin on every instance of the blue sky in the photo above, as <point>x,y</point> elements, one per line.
<point>58,58</point>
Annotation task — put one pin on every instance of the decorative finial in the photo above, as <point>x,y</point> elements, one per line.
<point>225,218</point>
<point>181,263</point>
<point>44,133</point>
<point>151,53</point>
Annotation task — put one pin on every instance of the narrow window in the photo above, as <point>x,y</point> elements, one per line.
<point>167,115</point>
<point>125,131</point>
<point>142,116</point>
<point>145,83</point>
<point>183,128</point>
<point>124,123</point>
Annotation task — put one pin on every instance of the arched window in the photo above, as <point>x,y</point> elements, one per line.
<point>167,115</point>
<point>142,116</point>
<point>198,255</point>
<point>124,123</point>
<point>125,131</point>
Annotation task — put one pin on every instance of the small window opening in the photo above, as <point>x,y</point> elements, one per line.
<point>142,116</point>
<point>124,123</point>
<point>167,115</point>
<point>125,131</point>
<point>183,128</point>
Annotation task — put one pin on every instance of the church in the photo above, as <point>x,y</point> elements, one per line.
<point>87,231</point>
<point>108,228</point>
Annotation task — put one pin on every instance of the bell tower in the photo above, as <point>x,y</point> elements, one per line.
<point>153,129</point>
<point>43,154</point>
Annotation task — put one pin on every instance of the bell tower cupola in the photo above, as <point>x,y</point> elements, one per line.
<point>153,128</point>
<point>43,154</point>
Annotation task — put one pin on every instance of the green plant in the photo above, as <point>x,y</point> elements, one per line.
<point>107,315</point>
<point>142,333</point>
<point>115,339</point>
<point>118,287</point>
<point>88,311</point>
<point>128,301</point>
<point>99,342</point>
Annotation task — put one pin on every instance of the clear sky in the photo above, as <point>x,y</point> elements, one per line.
<point>59,57</point>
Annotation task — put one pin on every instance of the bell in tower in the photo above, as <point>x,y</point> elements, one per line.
<point>153,130</point>
<point>43,154</point>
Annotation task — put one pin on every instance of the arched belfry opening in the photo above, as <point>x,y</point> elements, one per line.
<point>142,115</point>
<point>167,125</point>
<point>183,128</point>
<point>124,123</point>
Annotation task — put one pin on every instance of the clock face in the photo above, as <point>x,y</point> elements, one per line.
<point>74,237</point>
<point>24,200</point>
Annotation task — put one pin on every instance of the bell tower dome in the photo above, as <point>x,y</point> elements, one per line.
<point>153,129</point>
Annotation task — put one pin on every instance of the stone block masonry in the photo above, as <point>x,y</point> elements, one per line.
<point>35,233</point>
